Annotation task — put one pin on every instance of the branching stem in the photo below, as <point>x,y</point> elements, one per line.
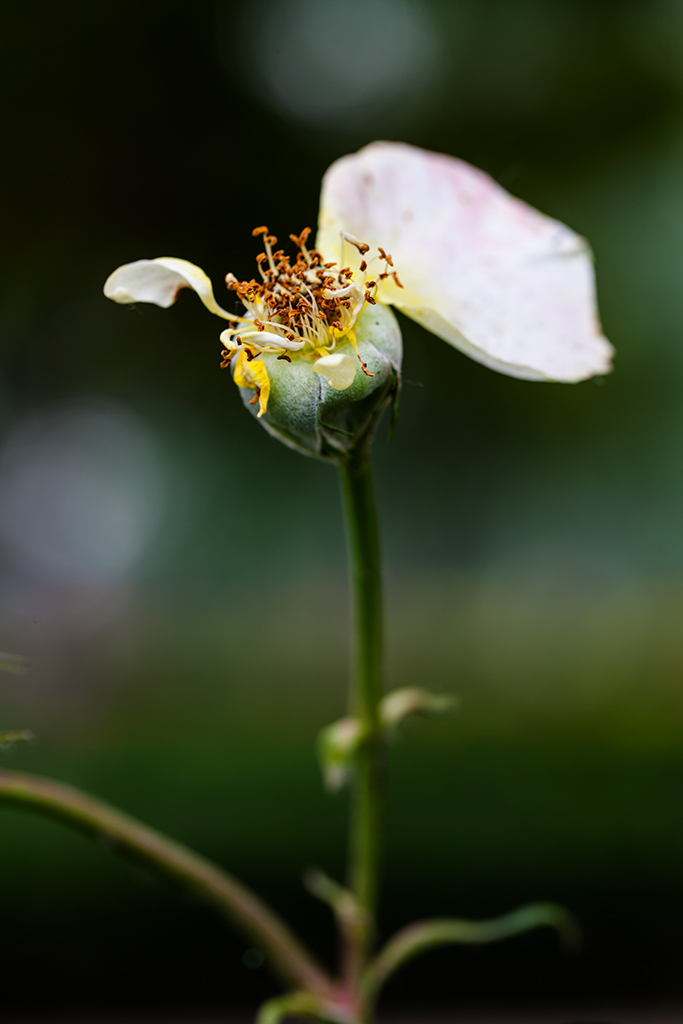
<point>289,958</point>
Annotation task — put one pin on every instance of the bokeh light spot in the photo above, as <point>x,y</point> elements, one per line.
<point>324,63</point>
<point>81,493</point>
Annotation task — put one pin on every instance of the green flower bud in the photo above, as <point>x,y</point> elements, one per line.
<point>306,412</point>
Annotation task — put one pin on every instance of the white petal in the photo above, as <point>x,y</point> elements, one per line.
<point>339,368</point>
<point>509,286</point>
<point>159,281</point>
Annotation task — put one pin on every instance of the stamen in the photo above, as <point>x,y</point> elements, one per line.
<point>362,247</point>
<point>304,304</point>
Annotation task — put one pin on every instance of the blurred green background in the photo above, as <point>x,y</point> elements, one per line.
<point>177,579</point>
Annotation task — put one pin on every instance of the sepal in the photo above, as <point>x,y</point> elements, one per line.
<point>306,412</point>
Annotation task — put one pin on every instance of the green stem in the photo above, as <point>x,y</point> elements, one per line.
<point>366,693</point>
<point>289,958</point>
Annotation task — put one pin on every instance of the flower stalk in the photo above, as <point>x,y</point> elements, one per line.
<point>362,534</point>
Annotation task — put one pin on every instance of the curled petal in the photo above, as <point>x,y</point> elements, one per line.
<point>339,368</point>
<point>254,375</point>
<point>159,281</point>
<point>507,285</point>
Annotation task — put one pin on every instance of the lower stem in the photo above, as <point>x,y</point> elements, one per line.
<point>366,693</point>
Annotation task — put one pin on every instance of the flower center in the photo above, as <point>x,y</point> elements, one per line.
<point>305,306</point>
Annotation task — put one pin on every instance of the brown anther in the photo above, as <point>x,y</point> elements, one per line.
<point>395,277</point>
<point>298,294</point>
<point>285,357</point>
<point>256,397</point>
<point>362,247</point>
<point>226,356</point>
<point>385,255</point>
<point>300,240</point>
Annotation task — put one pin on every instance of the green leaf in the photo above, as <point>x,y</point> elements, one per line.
<point>13,663</point>
<point>337,748</point>
<point>8,738</point>
<point>399,704</point>
<point>296,1004</point>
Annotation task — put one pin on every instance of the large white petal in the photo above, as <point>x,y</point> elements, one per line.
<point>509,286</point>
<point>159,281</point>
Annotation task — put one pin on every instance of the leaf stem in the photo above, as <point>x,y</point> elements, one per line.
<point>366,692</point>
<point>422,936</point>
<point>295,965</point>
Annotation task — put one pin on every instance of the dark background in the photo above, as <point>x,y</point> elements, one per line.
<point>177,579</point>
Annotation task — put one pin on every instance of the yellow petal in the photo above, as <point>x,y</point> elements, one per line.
<point>159,281</point>
<point>339,368</point>
<point>490,275</point>
<point>253,374</point>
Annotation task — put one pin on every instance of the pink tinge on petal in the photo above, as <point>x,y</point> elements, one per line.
<point>509,286</point>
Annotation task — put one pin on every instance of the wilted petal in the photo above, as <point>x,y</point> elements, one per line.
<point>254,375</point>
<point>507,285</point>
<point>159,281</point>
<point>339,368</point>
